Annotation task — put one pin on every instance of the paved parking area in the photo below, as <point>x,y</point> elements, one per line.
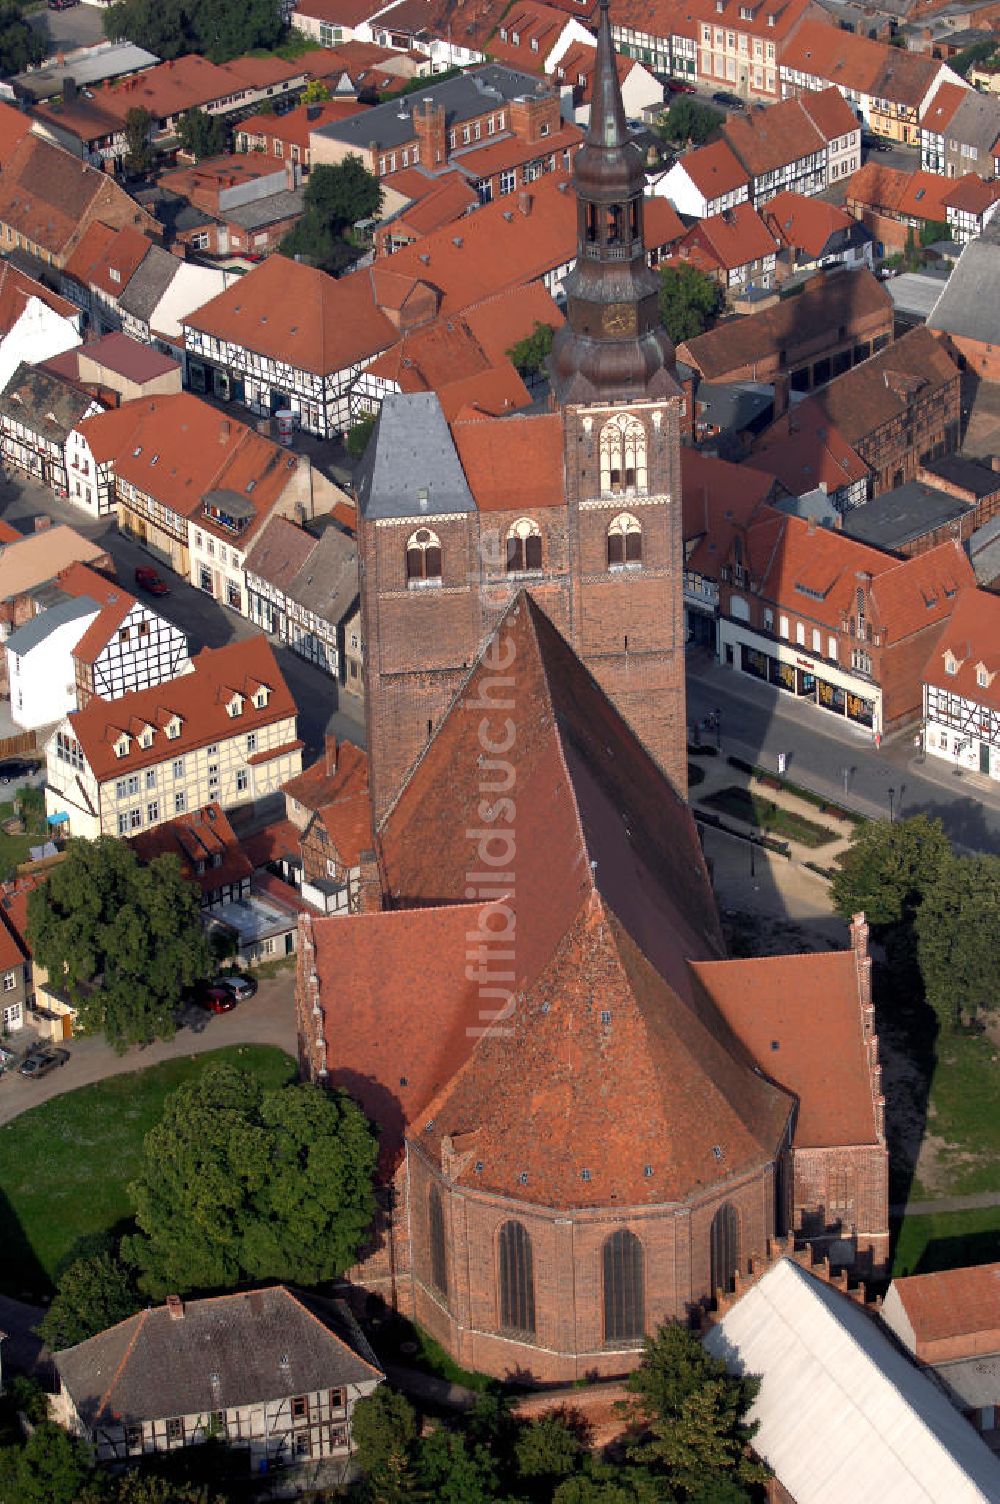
<point>81,26</point>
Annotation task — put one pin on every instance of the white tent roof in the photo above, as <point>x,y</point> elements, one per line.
<point>843,1414</point>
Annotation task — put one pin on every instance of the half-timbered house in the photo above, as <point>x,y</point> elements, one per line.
<point>962,690</point>
<point>37,413</point>
<point>262,1372</point>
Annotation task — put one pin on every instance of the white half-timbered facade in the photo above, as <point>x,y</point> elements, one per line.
<point>962,688</point>
<point>37,412</point>
<point>260,1372</point>
<point>266,385</point>
<point>132,652</point>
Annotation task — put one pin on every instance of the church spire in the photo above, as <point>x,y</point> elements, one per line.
<point>612,347</point>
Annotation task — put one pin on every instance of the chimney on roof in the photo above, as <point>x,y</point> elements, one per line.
<point>810,525</point>
<point>176,1307</point>
<point>42,523</point>
<point>225,429</point>
<point>524,202</point>
<point>330,754</point>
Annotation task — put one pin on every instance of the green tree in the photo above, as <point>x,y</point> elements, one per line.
<point>384,1430</point>
<point>138,152</point>
<point>21,45</point>
<point>315,92</point>
<point>241,1184</point>
<point>958,940</point>
<point>339,196</point>
<point>550,1448</point>
<point>124,939</point>
<point>933,230</point>
<point>529,354</point>
<point>51,1468</point>
<point>688,120</point>
<point>688,301</point>
<point>91,1294</point>
<point>218,29</point>
<point>159,25</point>
<point>27,1396</point>
<point>201,135</point>
<point>451,1470</point>
<point>888,869</point>
<point>356,441</point>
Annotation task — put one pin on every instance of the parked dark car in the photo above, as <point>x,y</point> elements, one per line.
<point>16,767</point>
<point>148,579</point>
<point>62,4</point>
<point>39,1062</point>
<point>876,143</point>
<point>731,101</point>
<point>216,999</point>
<point>240,986</point>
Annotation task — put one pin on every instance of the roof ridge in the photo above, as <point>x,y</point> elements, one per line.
<point>140,1321</point>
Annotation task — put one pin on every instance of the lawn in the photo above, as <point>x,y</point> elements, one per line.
<point>14,849</point>
<point>964,1114</point>
<point>65,1165</point>
<point>754,809</point>
<point>946,1240</point>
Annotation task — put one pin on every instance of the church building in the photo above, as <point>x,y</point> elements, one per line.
<point>590,1120</point>
<point>580,504</point>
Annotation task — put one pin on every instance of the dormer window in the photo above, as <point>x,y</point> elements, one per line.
<point>122,745</point>
<point>235,705</point>
<point>950,662</point>
<point>146,737</point>
<point>173,727</point>
<point>983,676</point>
<point>261,697</point>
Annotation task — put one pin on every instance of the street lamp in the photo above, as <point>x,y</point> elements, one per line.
<point>718,729</point>
<point>847,774</point>
<point>892,795</point>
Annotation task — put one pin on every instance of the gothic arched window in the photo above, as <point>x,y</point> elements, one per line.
<point>725,1247</point>
<point>623,454</point>
<point>524,546</point>
<point>624,541</point>
<point>435,1231</point>
<point>517,1279</point>
<point>423,558</point>
<point>624,1288</point>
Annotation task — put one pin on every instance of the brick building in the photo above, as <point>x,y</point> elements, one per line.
<point>966,317</point>
<point>833,623</point>
<point>896,410</point>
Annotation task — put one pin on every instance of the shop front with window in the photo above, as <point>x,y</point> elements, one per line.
<point>817,681</point>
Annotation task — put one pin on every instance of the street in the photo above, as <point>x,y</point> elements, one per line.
<point>266,1018</point>
<point>826,754</point>
<point>206,622</point>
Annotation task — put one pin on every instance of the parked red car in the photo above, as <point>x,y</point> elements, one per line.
<point>217,999</point>
<point>148,579</point>
<point>676,86</point>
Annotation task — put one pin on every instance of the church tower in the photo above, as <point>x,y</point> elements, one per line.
<point>579,505</point>
<point>613,375</point>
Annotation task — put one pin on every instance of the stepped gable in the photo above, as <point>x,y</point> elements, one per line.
<point>603,1069</point>
<point>592,809</point>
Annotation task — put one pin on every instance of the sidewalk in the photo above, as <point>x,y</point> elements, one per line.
<point>720,774</point>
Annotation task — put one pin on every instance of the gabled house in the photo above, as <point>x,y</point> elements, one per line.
<point>117,368</point>
<point>30,564</point>
<point>784,147</point>
<point>835,624</point>
<point>970,204</point>
<point>966,316</point>
<point>100,269</point>
<point>813,233</point>
<point>329,805</point>
<point>719,498</point>
<point>38,411</point>
<point>705,181</point>
<point>35,323</point>
<point>735,247</point>
<point>286,137</point>
<point>223,733</point>
<point>49,199</point>
<point>961,689</point>
<point>127,646</point>
<point>208,849</point>
<point>958,131</point>
<point>17,993</point>
<point>303,589</point>
<point>264,1372</point>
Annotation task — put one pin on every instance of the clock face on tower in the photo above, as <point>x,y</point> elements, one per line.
<point>619,318</point>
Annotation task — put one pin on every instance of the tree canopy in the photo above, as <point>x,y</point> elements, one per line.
<point>218,29</point>
<point>138,151</point>
<point>529,354</point>
<point>91,1294</point>
<point>958,939</point>
<point>21,44</point>
<point>335,199</point>
<point>689,301</point>
<point>51,1467</point>
<point>688,120</point>
<point>888,869</point>
<point>241,1184</point>
<point>125,939</point>
<point>202,135</point>
<point>358,435</point>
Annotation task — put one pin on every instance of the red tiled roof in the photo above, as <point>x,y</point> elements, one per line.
<point>277,840</point>
<point>198,699</point>
<point>801,1017</point>
<point>16,288</point>
<point>348,822</point>
<point>14,126</point>
<point>805,460</point>
<point>129,357</point>
<point>202,836</point>
<point>921,591</point>
<point>279,551</point>
<point>578,62</point>
<point>513,464</point>
<point>876,187</point>
<point>341,772</point>
<point>338,12</point>
<point>830,113</point>
<point>767,139</point>
<point>183,83</point>
<point>261,72</point>
<point>714,169</point>
<point>734,238</point>
<point>941,107</point>
<point>839,57</point>
<point>776,19</point>
<point>114,602</point>
<point>299,315</point>
<point>971,194</point>
<point>951,1302</point>
<point>445,200</point>
<point>295,127</point>
<point>661,223</point>
<point>537,27</point>
<point>924,195</point>
<point>486,161</point>
<point>46,193</point>
<point>804,223</point>
<point>437,17</point>
<point>110,433</point>
<point>717,498</point>
<point>14,906</point>
<point>108,258</point>
<point>972,635</point>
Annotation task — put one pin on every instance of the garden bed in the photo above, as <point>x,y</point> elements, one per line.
<point>754,809</point>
